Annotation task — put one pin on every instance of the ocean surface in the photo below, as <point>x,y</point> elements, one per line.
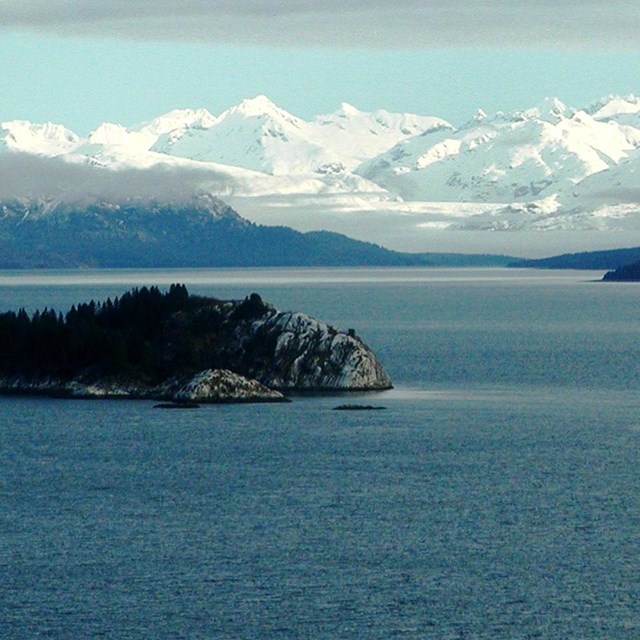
<point>497,496</point>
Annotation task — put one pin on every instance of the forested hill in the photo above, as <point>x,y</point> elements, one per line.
<point>125,335</point>
<point>147,338</point>
<point>606,259</point>
<point>625,273</point>
<point>144,334</point>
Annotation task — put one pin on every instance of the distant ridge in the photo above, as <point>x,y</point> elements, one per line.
<point>606,259</point>
<point>198,232</point>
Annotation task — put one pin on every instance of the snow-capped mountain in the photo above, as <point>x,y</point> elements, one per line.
<point>625,112</point>
<point>358,135</point>
<point>258,135</point>
<point>142,137</point>
<point>46,139</point>
<point>601,192</point>
<point>255,137</point>
<point>521,156</point>
<point>613,107</point>
<point>544,167</point>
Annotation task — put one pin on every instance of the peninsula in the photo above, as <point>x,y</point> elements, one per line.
<point>624,273</point>
<point>179,347</point>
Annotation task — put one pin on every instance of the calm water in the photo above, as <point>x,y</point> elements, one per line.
<point>497,497</point>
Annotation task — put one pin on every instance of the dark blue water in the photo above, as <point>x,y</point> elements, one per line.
<point>498,496</point>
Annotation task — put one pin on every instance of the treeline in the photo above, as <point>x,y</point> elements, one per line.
<point>124,335</point>
<point>594,260</point>
<point>625,273</point>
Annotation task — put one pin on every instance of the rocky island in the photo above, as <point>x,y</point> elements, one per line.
<point>178,347</point>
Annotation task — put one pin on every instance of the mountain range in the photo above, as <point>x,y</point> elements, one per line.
<point>256,135</point>
<point>541,168</point>
<point>199,231</point>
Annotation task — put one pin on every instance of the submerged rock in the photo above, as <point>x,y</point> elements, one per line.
<point>357,407</point>
<point>177,405</point>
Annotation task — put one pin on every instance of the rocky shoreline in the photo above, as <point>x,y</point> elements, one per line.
<point>209,386</point>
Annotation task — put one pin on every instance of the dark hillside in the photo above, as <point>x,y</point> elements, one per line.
<point>625,273</point>
<point>145,334</point>
<point>200,232</point>
<point>607,259</point>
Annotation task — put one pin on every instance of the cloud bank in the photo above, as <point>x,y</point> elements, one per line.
<point>412,24</point>
<point>28,177</point>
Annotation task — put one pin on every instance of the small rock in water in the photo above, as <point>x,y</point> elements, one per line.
<point>176,405</point>
<point>357,407</point>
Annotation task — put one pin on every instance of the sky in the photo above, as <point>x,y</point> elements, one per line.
<point>81,63</point>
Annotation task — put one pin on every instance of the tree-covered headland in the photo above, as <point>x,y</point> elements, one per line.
<point>145,333</point>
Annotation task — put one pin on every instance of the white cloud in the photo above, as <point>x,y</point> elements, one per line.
<point>523,24</point>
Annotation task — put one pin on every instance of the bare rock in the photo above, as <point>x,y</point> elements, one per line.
<point>222,385</point>
<point>300,352</point>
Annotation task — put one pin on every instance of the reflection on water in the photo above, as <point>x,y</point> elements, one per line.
<point>285,276</point>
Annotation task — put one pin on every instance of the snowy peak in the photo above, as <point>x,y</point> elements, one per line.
<point>258,135</point>
<point>109,133</point>
<point>255,134</point>
<point>357,135</point>
<point>347,117</point>
<point>347,110</point>
<point>140,138</point>
<point>521,156</point>
<point>616,110</point>
<point>611,106</point>
<point>549,110</point>
<point>258,106</point>
<point>479,115</point>
<point>177,119</point>
<point>46,139</point>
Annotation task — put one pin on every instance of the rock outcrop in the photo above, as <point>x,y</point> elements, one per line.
<point>305,354</point>
<point>222,385</point>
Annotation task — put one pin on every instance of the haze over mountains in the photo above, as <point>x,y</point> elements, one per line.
<point>547,167</point>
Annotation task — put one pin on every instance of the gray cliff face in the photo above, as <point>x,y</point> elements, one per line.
<point>300,352</point>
